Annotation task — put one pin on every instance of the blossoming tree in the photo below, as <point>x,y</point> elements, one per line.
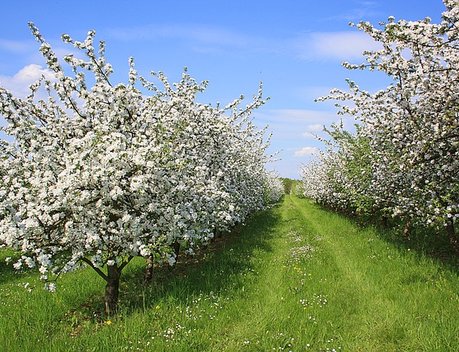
<point>100,173</point>
<point>404,159</point>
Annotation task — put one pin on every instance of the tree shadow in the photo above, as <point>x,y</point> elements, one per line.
<point>7,271</point>
<point>217,268</point>
<point>424,242</point>
<point>213,270</point>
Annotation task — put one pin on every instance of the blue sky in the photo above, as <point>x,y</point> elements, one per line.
<point>294,47</point>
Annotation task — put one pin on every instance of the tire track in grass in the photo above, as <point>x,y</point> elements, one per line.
<point>374,277</point>
<point>261,311</point>
<point>277,300</point>
<point>285,308</point>
<point>351,277</point>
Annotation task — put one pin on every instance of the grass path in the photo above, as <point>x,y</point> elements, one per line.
<point>392,300</point>
<point>295,278</point>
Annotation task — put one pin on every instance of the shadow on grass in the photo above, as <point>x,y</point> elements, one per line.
<point>7,271</point>
<point>216,269</point>
<point>424,242</point>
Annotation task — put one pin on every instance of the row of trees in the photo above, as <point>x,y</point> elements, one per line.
<point>98,173</point>
<point>403,159</point>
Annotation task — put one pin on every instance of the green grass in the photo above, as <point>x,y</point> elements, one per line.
<point>295,278</point>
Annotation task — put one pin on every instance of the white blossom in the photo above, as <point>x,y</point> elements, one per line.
<point>403,161</point>
<point>101,172</point>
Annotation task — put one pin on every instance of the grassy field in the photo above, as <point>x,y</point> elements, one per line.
<point>295,278</point>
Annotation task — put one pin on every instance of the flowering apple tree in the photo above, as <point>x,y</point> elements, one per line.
<point>403,161</point>
<point>274,188</point>
<point>99,173</point>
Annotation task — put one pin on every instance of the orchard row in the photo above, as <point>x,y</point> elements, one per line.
<point>97,173</point>
<point>403,160</point>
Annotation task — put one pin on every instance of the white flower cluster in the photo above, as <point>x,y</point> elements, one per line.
<point>274,188</point>
<point>101,172</point>
<point>403,161</point>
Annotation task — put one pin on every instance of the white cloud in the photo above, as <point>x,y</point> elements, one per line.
<point>22,52</point>
<point>19,83</point>
<point>306,151</point>
<point>16,46</point>
<point>334,45</point>
<point>287,127</point>
<point>362,11</point>
<point>313,130</point>
<point>303,116</point>
<point>317,127</point>
<point>203,39</point>
<point>290,124</point>
<point>310,93</point>
<point>343,45</point>
<point>195,34</point>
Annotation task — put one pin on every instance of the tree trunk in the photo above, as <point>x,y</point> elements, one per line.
<point>112,289</point>
<point>453,237</point>
<point>176,247</point>
<point>407,230</point>
<point>148,275</point>
<point>385,221</point>
<point>218,233</point>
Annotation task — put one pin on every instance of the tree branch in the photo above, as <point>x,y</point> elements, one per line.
<point>97,270</point>
<point>121,267</point>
